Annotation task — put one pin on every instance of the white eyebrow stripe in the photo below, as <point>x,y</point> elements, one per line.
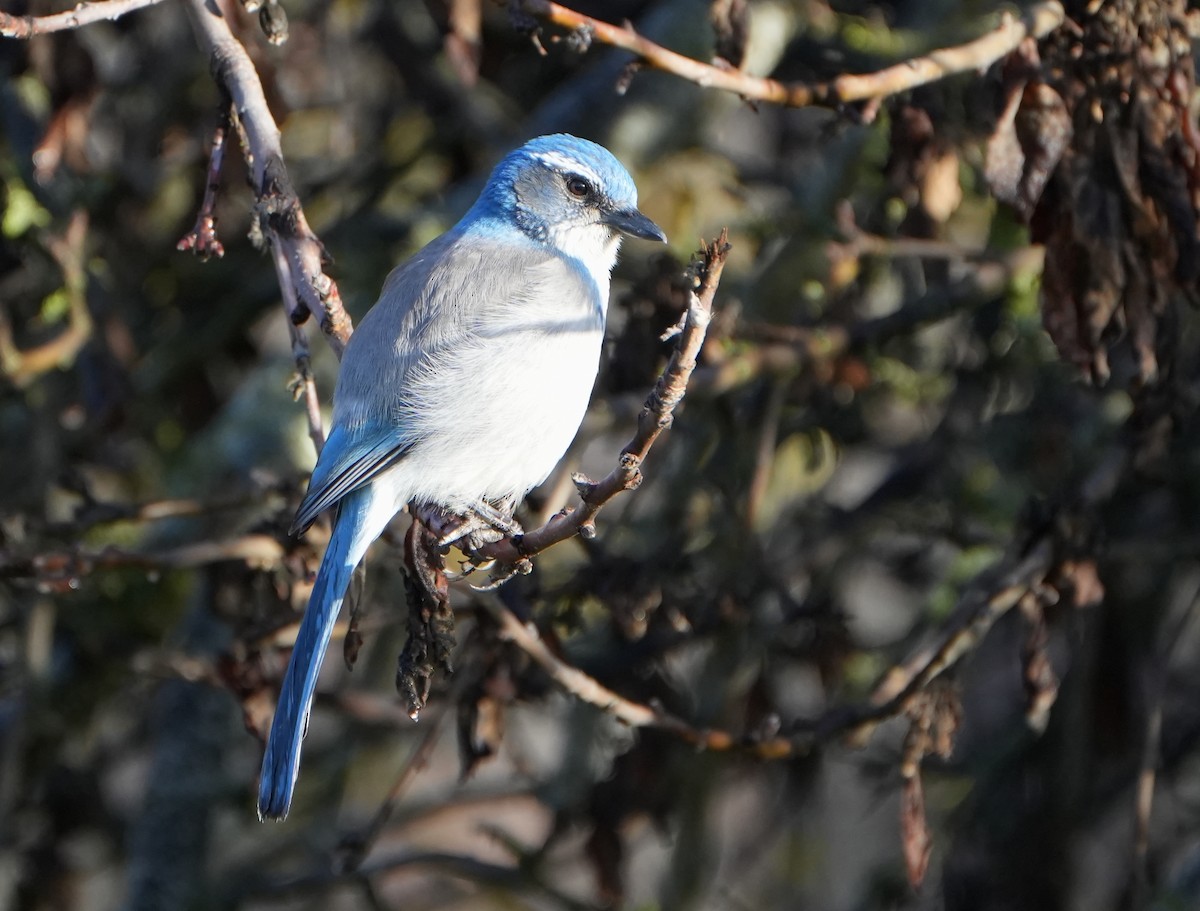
<point>565,163</point>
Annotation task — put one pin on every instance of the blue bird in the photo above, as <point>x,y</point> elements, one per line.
<point>465,383</point>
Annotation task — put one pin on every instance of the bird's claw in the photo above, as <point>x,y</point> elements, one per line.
<point>483,524</point>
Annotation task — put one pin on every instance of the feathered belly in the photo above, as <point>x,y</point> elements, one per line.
<point>521,400</point>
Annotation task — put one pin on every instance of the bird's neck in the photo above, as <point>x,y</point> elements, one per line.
<point>592,248</point>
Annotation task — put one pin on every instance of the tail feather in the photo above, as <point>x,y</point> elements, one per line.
<point>281,763</point>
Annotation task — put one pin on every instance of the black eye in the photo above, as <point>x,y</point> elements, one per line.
<point>577,186</point>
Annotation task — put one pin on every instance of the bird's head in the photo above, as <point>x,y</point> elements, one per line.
<point>571,194</point>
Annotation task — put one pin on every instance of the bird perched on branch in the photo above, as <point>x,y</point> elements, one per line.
<point>465,383</point>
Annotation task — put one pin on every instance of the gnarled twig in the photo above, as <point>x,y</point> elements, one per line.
<point>280,213</point>
<point>83,14</point>
<point>1037,21</point>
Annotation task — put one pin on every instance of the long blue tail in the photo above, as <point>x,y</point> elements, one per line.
<point>281,763</point>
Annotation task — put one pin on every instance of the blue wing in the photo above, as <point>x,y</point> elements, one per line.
<point>351,459</point>
<point>421,320</point>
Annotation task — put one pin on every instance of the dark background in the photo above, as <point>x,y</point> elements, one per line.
<point>814,517</point>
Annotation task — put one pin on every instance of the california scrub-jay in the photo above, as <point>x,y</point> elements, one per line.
<point>465,383</point>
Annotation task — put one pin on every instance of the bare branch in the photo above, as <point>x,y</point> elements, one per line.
<point>83,14</point>
<point>280,213</point>
<point>202,239</point>
<point>304,386</point>
<point>1038,21</point>
<point>588,690</point>
<point>60,571</point>
<point>354,846</point>
<point>92,512</point>
<point>971,621</point>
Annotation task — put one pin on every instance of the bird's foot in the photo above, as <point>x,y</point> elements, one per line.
<point>501,519</point>
<point>482,524</point>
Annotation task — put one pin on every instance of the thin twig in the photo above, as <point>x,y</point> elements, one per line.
<point>587,689</point>
<point>83,14</point>
<point>968,625</point>
<point>279,210</point>
<point>353,848</point>
<point>1038,21</point>
<point>93,513</point>
<point>303,385</point>
<point>63,570</point>
<point>202,239</point>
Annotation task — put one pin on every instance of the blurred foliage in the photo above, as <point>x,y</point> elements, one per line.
<point>878,419</point>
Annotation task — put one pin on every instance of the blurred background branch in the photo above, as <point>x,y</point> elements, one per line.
<point>83,14</point>
<point>1037,21</point>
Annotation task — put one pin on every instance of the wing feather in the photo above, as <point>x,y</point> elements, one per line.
<point>351,466</point>
<point>448,297</point>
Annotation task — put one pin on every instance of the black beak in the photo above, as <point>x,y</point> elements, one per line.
<point>635,224</point>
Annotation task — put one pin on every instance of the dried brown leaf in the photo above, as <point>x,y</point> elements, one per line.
<point>923,169</point>
<point>915,840</point>
<point>480,731</point>
<point>941,192</point>
<point>1041,683</point>
<point>1082,579</point>
<point>1093,149</point>
<point>430,617</point>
